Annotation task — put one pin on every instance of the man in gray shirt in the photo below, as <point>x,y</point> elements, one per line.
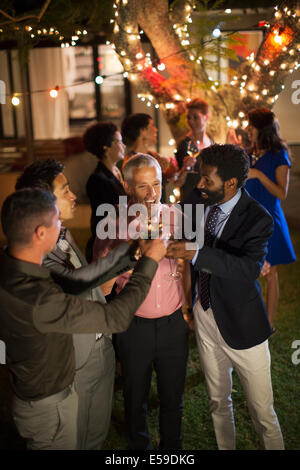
<point>37,319</point>
<point>94,353</point>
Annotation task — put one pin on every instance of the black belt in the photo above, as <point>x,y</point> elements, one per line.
<point>166,318</point>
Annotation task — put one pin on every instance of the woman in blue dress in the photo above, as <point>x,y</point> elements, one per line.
<point>268,183</point>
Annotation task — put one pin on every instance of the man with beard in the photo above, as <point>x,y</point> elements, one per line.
<point>231,322</point>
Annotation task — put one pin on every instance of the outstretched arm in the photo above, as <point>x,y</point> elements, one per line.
<point>76,281</point>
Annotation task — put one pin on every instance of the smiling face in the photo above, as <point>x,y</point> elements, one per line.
<point>211,186</point>
<point>65,198</point>
<point>115,152</point>
<point>197,120</point>
<point>149,133</point>
<point>51,232</point>
<point>145,186</point>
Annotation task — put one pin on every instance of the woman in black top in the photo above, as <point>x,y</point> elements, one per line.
<point>197,139</point>
<point>105,184</point>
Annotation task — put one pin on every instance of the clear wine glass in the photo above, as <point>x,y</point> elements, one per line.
<point>192,151</point>
<point>173,275</point>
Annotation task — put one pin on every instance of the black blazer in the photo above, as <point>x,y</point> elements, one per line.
<point>102,187</point>
<point>235,264</point>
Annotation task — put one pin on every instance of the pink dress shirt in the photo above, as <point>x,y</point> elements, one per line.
<point>164,297</point>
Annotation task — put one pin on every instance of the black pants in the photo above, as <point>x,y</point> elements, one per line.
<point>162,343</point>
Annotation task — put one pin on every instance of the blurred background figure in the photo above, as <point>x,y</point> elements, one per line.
<point>268,183</point>
<point>238,137</point>
<point>187,154</point>
<point>105,185</point>
<point>140,135</point>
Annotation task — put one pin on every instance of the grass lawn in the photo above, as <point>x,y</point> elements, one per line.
<point>197,426</point>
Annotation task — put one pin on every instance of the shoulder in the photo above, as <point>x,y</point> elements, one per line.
<point>95,178</point>
<point>92,183</point>
<point>255,211</point>
<point>183,142</point>
<point>282,158</point>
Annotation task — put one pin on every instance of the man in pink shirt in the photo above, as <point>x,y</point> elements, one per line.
<point>158,334</point>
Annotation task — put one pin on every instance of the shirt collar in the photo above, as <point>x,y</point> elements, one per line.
<point>227,206</point>
<point>31,269</point>
<point>62,234</point>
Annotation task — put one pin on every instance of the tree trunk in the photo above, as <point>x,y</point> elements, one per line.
<point>258,80</point>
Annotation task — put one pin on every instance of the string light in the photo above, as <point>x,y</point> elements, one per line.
<point>15,101</point>
<point>99,80</point>
<point>54,92</point>
<point>161,66</point>
<point>279,36</point>
<point>216,32</point>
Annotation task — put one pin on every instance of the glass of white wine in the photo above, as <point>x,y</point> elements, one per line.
<point>193,152</point>
<point>174,274</point>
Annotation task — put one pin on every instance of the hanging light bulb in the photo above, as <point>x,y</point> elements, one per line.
<point>216,33</point>
<point>15,101</point>
<point>99,80</point>
<point>54,92</point>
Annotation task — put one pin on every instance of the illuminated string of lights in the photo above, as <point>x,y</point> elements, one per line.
<point>246,81</point>
<point>144,62</point>
<point>38,33</point>
<point>257,79</point>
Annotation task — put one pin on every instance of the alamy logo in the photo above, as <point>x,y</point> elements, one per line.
<point>296,94</point>
<point>296,354</point>
<point>2,92</point>
<point>162,221</point>
<point>2,352</point>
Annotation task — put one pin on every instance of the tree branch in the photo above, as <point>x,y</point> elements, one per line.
<point>20,19</point>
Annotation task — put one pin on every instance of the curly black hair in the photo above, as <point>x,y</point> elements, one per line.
<point>98,136</point>
<point>231,162</point>
<point>132,126</point>
<point>40,174</point>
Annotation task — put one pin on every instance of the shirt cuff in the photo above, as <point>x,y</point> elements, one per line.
<point>193,246</point>
<point>195,257</point>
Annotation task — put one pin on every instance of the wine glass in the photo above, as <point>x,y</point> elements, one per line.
<point>173,275</point>
<point>192,151</point>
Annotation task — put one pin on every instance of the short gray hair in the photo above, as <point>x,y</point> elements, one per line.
<point>140,160</point>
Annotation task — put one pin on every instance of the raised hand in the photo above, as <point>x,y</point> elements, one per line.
<point>179,250</point>
<point>154,249</point>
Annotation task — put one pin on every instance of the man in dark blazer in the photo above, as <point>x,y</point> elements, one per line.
<point>231,323</point>
<point>94,353</point>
